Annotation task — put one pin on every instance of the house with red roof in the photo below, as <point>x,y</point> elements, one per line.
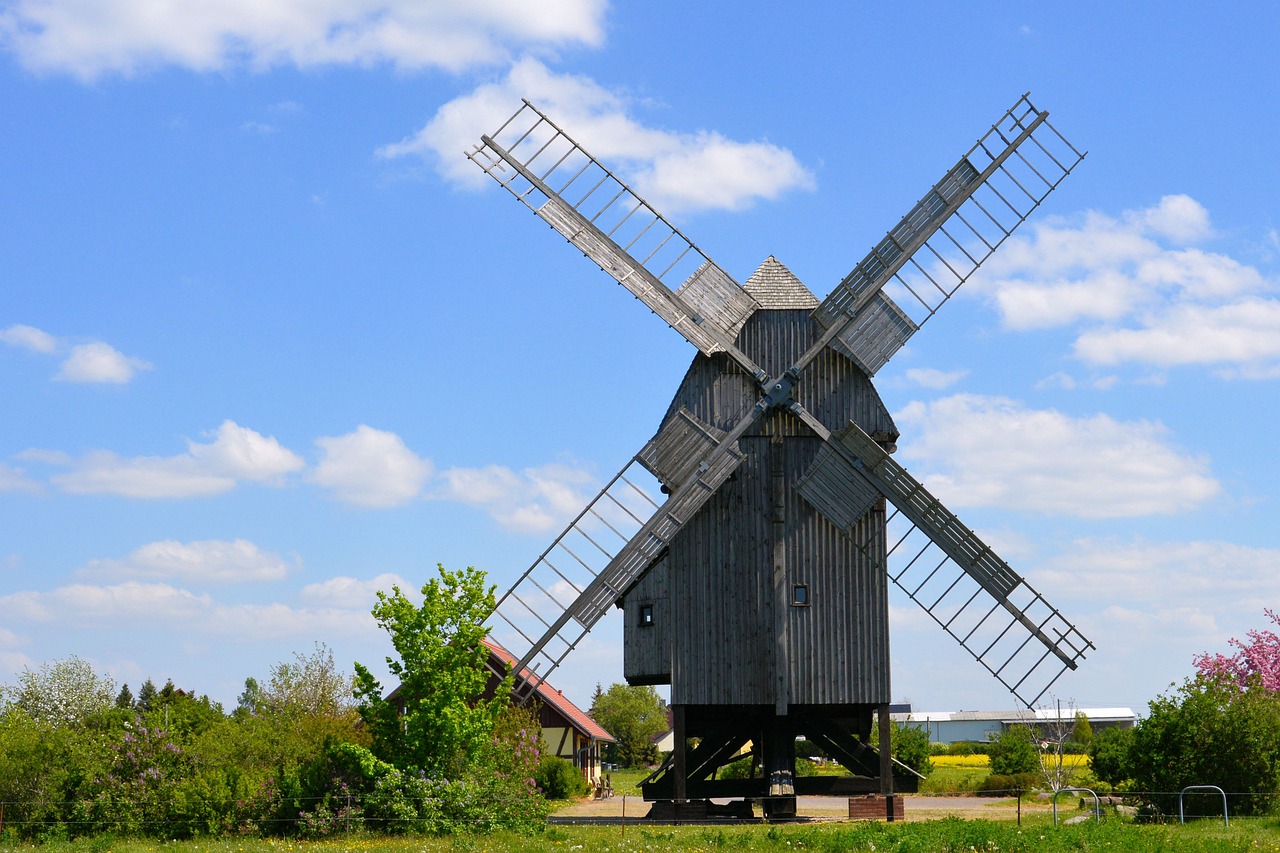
<point>567,730</point>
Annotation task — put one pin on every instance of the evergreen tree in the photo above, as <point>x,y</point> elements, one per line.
<point>146,696</point>
<point>124,699</point>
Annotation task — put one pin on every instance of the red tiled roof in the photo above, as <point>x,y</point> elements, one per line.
<point>548,694</point>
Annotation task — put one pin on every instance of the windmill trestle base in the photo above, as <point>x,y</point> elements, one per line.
<point>710,737</point>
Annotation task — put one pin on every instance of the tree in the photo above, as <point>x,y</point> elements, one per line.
<point>910,745</point>
<point>1210,732</point>
<point>635,716</point>
<point>1082,731</point>
<point>446,727</point>
<point>311,684</point>
<point>250,699</point>
<point>63,692</point>
<point>124,699</point>
<point>1056,732</point>
<point>1110,755</point>
<point>146,695</point>
<point>1014,751</point>
<point>1257,660</point>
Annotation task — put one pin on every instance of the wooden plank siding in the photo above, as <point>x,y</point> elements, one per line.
<point>714,636</point>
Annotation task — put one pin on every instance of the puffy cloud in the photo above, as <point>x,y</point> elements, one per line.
<point>237,453</point>
<point>370,467</point>
<point>94,361</point>
<point>212,560</point>
<point>99,362</point>
<point>89,38</point>
<point>928,377</point>
<point>991,451</point>
<point>675,171</point>
<point>141,605</point>
<point>352,592</point>
<point>535,500</point>
<point>29,337</point>
<point>1139,290</point>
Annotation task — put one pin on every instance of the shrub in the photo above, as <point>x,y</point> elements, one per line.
<point>910,745</point>
<point>559,779</point>
<point>1014,751</point>
<point>1005,784</point>
<point>1211,733</point>
<point>1110,757</point>
<point>740,769</point>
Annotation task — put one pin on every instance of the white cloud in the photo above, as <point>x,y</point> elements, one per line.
<point>29,337</point>
<point>211,560</point>
<point>159,605</point>
<point>1245,333</point>
<point>1139,290</point>
<point>99,362</point>
<point>352,592</point>
<point>674,171</point>
<point>535,500</point>
<point>991,451</point>
<point>928,377</point>
<point>236,454</point>
<point>90,38</point>
<point>371,468</point>
<point>1139,569</point>
<point>13,480</point>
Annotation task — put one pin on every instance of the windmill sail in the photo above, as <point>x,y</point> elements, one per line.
<point>589,206</point>
<point>946,236</point>
<point>957,579</point>
<point>623,531</point>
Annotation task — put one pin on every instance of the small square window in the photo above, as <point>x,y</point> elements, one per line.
<point>800,595</point>
<point>646,615</point>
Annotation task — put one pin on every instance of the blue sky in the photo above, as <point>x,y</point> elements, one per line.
<point>269,342</point>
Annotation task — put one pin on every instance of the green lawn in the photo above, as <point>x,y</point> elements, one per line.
<point>1035,835</point>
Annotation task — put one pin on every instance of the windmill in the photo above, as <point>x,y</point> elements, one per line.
<point>751,542</point>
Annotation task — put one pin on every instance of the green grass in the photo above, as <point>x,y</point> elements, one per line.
<point>972,836</point>
<point>953,780</point>
<point>627,782</point>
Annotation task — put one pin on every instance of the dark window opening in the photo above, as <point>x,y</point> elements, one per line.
<point>800,595</point>
<point>646,615</point>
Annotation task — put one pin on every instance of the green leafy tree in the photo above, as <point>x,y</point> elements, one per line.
<point>635,716</point>
<point>1210,732</point>
<point>250,699</point>
<point>437,721</point>
<point>1014,751</point>
<point>63,692</point>
<point>910,745</point>
<point>1082,732</point>
<point>1110,755</point>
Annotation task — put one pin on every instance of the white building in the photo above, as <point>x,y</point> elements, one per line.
<point>977,726</point>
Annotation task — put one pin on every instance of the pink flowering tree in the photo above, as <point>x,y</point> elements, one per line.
<point>1257,660</point>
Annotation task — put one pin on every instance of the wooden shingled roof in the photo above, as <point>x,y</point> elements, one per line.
<point>776,287</point>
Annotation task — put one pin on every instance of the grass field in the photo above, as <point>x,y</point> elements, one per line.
<point>942,836</point>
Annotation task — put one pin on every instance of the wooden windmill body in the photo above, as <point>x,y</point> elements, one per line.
<point>758,586</point>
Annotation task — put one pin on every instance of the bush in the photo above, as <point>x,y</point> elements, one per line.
<point>910,745</point>
<point>1005,784</point>
<point>1014,751</point>
<point>741,769</point>
<point>1110,758</point>
<point>558,779</point>
<point>1210,733</point>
